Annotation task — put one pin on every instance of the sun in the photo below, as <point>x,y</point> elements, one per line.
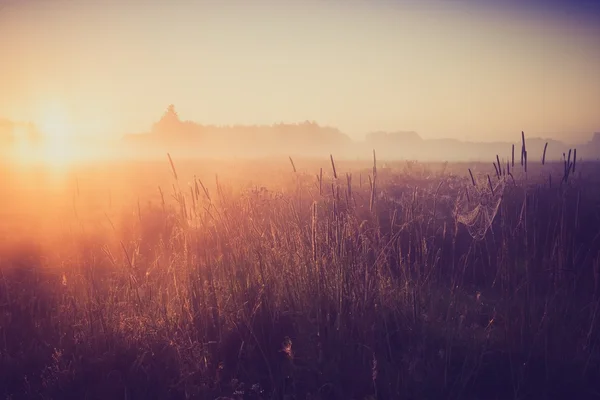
<point>57,133</point>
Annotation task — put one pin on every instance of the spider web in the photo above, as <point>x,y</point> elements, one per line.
<point>477,209</point>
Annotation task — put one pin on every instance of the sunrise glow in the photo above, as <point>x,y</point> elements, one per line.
<point>57,135</point>
<point>462,69</point>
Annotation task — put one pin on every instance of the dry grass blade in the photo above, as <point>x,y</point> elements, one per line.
<point>196,188</point>
<point>349,184</point>
<point>496,169</point>
<point>472,178</point>
<point>320,181</point>
<point>193,198</point>
<point>372,194</point>
<point>523,148</point>
<point>172,166</point>
<point>490,183</point>
<point>333,166</point>
<point>499,165</point>
<point>162,198</point>
<point>374,164</point>
<point>513,156</point>
<point>205,190</point>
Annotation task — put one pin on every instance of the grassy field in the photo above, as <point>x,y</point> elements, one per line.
<point>310,279</point>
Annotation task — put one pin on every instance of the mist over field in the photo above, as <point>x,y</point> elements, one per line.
<point>308,139</point>
<point>315,277</point>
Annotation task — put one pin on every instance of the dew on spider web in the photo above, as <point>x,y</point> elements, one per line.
<point>477,210</point>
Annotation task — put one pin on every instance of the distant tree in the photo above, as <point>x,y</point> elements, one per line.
<point>169,122</point>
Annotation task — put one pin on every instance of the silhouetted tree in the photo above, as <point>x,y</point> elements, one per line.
<point>169,123</point>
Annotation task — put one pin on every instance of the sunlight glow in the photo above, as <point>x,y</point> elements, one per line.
<point>57,135</point>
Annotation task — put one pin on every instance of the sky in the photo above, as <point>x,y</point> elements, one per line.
<point>465,69</point>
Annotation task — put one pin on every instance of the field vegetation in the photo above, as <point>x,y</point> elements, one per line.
<point>301,279</point>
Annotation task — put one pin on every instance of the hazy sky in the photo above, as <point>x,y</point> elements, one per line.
<point>465,69</point>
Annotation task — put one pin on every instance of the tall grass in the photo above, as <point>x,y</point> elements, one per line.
<point>303,292</point>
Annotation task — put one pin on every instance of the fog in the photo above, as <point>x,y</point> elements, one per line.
<point>190,140</point>
<point>460,70</point>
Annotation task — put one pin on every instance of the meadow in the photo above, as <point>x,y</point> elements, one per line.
<point>300,279</point>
